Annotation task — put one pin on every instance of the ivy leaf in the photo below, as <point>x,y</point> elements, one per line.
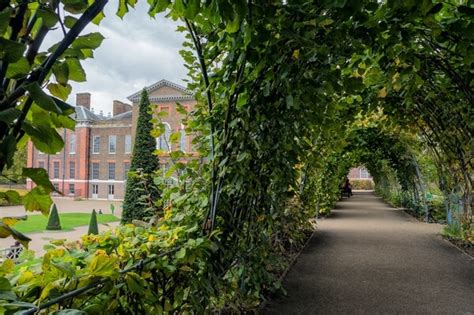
<point>75,6</point>
<point>42,99</point>
<point>61,72</point>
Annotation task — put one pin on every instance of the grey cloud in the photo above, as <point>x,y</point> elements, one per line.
<point>137,51</point>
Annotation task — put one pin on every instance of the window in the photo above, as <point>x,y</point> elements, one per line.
<point>56,186</point>
<point>126,168</point>
<point>56,169</point>
<point>111,170</point>
<point>112,144</point>
<point>95,170</point>
<point>163,142</point>
<point>128,143</point>
<point>182,140</point>
<point>364,173</point>
<point>111,190</point>
<point>72,189</point>
<point>72,169</point>
<point>96,145</point>
<point>41,164</point>
<point>72,144</point>
<point>95,189</point>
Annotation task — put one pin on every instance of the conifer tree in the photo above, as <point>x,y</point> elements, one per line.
<point>144,164</point>
<point>53,220</point>
<point>93,226</point>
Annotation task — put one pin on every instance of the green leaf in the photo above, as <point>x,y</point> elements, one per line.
<point>45,138</point>
<point>5,285</point>
<point>42,99</point>
<point>76,72</point>
<point>18,69</point>
<point>39,176</point>
<point>37,200</point>
<point>157,6</point>
<point>5,19</point>
<point>69,21</point>
<point>75,6</point>
<point>90,41</point>
<point>61,72</point>
<point>48,16</point>
<point>11,196</point>
<point>60,90</point>
<point>11,51</point>
<point>135,283</point>
<point>192,8</point>
<point>9,115</point>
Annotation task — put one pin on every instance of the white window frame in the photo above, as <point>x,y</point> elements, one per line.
<point>93,145</point>
<point>72,163</point>
<point>54,169</point>
<point>128,144</point>
<point>108,171</point>
<point>72,143</point>
<point>114,137</point>
<point>92,170</point>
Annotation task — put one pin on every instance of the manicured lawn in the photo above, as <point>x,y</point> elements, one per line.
<point>37,223</point>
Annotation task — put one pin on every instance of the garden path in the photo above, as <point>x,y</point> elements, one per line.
<point>368,257</point>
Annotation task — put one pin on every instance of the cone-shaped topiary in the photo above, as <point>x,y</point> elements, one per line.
<point>144,164</point>
<point>93,226</point>
<point>53,220</point>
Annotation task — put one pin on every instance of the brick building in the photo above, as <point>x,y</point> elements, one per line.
<point>359,173</point>
<point>96,156</point>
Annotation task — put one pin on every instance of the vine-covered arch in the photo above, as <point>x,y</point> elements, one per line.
<point>290,95</point>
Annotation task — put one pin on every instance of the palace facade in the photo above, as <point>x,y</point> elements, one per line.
<point>96,157</point>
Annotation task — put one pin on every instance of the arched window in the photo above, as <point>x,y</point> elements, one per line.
<point>163,142</point>
<point>182,139</point>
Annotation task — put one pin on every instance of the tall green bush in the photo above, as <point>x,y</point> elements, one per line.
<point>93,226</point>
<point>53,221</point>
<point>144,164</point>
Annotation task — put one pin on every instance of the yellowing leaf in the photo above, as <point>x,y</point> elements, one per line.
<point>382,93</point>
<point>296,54</point>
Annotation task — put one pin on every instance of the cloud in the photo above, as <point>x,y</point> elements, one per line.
<point>137,51</point>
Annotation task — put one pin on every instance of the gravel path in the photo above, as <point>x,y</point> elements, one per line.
<point>369,258</point>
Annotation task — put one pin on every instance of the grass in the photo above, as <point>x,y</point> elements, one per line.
<point>37,223</point>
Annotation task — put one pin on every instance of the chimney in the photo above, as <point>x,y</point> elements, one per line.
<point>120,107</point>
<point>83,99</point>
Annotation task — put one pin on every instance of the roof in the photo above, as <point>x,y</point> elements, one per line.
<point>84,114</point>
<point>187,95</point>
<point>121,116</point>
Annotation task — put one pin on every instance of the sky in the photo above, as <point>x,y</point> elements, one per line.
<point>136,52</point>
